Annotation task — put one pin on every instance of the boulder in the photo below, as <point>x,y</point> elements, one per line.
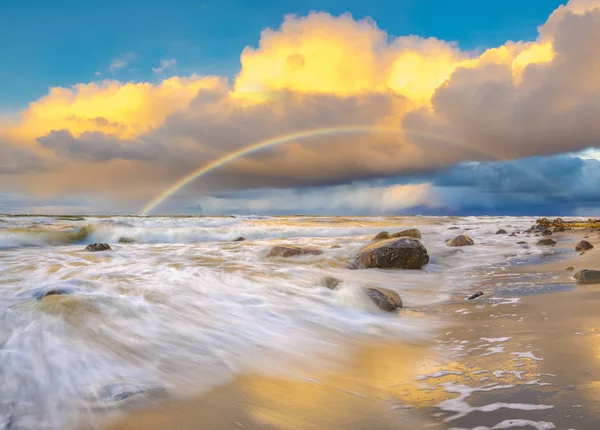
<point>97,247</point>
<point>411,232</point>
<point>587,276</point>
<point>239,239</point>
<point>291,251</point>
<point>546,242</point>
<point>584,245</point>
<point>383,236</point>
<point>501,231</point>
<point>401,253</point>
<point>461,240</point>
<point>126,240</point>
<point>330,282</point>
<point>385,299</point>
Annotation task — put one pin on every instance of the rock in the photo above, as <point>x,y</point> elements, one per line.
<point>570,268</point>
<point>546,242</point>
<point>588,276</point>
<point>97,247</point>
<point>547,233</point>
<point>453,228</point>
<point>126,240</point>
<point>385,299</point>
<point>239,239</point>
<point>476,295</point>
<point>461,240</point>
<point>501,231</point>
<point>52,292</point>
<point>513,234</point>
<point>336,247</point>
<point>558,229</point>
<point>411,232</point>
<point>330,282</point>
<point>291,251</point>
<point>120,394</point>
<point>383,236</point>
<point>584,245</point>
<point>401,253</point>
<point>522,242</point>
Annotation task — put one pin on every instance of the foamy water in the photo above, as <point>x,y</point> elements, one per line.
<point>185,309</point>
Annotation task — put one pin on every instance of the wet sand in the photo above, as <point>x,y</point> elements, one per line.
<point>525,355</point>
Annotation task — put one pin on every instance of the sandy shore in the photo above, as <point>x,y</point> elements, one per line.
<point>525,355</point>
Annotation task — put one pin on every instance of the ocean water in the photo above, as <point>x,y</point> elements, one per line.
<point>184,308</point>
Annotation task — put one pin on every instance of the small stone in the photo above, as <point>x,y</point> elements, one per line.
<point>522,242</point>
<point>547,233</point>
<point>330,282</point>
<point>501,231</point>
<point>126,240</point>
<point>587,276</point>
<point>411,232</point>
<point>336,247</point>
<point>513,234</point>
<point>453,228</point>
<point>53,292</point>
<point>546,242</point>
<point>385,299</point>
<point>476,295</point>
<point>461,240</point>
<point>239,239</point>
<point>97,247</point>
<point>570,268</point>
<point>584,245</point>
<point>291,251</point>
<point>383,236</point>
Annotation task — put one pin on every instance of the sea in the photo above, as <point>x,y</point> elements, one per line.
<point>178,307</point>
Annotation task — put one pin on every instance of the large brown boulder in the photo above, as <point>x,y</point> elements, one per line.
<point>97,247</point>
<point>291,251</point>
<point>385,299</point>
<point>588,276</point>
<point>402,253</point>
<point>383,236</point>
<point>546,242</point>
<point>411,232</point>
<point>461,240</point>
<point>584,245</point>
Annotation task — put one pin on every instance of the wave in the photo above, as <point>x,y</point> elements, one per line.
<point>39,236</point>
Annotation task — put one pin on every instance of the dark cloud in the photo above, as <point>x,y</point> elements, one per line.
<point>15,160</point>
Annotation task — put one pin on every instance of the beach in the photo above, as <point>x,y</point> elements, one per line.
<point>297,354</point>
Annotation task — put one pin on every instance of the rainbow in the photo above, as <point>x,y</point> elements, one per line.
<point>301,135</point>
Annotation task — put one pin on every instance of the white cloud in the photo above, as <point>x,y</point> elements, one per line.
<point>164,65</point>
<point>121,61</point>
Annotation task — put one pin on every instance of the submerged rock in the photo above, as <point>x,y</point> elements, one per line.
<point>584,245</point>
<point>501,231</point>
<point>461,240</point>
<point>239,239</point>
<point>120,394</point>
<point>336,247</point>
<point>546,232</point>
<point>402,253</point>
<point>588,276</point>
<point>385,299</point>
<point>291,251</point>
<point>383,236</point>
<point>411,232</point>
<point>330,282</point>
<point>476,295</point>
<point>97,247</point>
<point>522,242</point>
<point>52,292</point>
<point>453,228</point>
<point>126,240</point>
<point>546,242</point>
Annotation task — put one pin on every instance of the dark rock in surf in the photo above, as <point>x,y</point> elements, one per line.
<point>384,235</point>
<point>522,242</point>
<point>126,240</point>
<point>501,231</point>
<point>546,242</point>
<point>588,276</point>
<point>476,295</point>
<point>292,251</point>
<point>558,229</point>
<point>239,239</point>
<point>461,240</point>
<point>402,253</point>
<point>453,228</point>
<point>584,245</point>
<point>330,282</point>
<point>97,247</point>
<point>411,232</point>
<point>513,234</point>
<point>546,232</point>
<point>385,299</point>
<point>336,247</point>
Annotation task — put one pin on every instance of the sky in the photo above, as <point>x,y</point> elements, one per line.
<point>428,107</point>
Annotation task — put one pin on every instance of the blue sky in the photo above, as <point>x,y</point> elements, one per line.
<point>57,43</point>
